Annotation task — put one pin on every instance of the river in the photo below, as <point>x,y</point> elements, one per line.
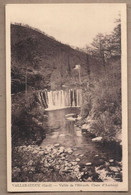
<point>67,154</point>
<point>61,129</point>
<point>63,134</point>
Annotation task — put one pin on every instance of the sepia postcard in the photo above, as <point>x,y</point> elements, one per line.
<point>66,86</point>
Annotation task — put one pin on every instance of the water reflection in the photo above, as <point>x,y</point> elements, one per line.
<point>61,130</point>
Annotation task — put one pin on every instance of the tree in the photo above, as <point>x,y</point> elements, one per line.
<point>88,65</point>
<point>68,65</point>
<point>55,80</point>
<point>116,39</point>
<point>106,46</point>
<point>98,47</point>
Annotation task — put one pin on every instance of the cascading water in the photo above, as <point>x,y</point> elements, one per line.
<point>52,100</point>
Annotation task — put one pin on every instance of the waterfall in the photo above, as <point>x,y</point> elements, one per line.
<point>52,100</point>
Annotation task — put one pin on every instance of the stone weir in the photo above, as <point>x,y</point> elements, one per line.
<point>53,100</point>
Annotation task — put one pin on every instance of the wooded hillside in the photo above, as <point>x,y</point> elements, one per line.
<point>36,56</point>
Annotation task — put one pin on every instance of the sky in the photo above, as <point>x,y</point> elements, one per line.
<point>73,24</point>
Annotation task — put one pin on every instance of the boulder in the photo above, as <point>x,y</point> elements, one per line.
<point>41,152</point>
<point>71,114</point>
<point>107,164</point>
<point>88,164</point>
<point>97,139</point>
<point>99,162</point>
<point>71,119</point>
<point>56,145</point>
<point>89,179</point>
<point>79,118</point>
<point>85,126</point>
<point>77,154</point>
<point>35,152</point>
<point>55,151</point>
<point>77,159</point>
<point>114,169</point>
<point>111,160</point>
<point>74,163</point>
<point>96,155</point>
<point>62,135</point>
<point>61,150</point>
<point>69,150</point>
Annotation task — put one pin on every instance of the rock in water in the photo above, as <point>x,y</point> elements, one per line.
<point>97,139</point>
<point>111,160</point>
<point>96,155</point>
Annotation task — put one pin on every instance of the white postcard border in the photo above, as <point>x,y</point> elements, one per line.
<point>69,186</point>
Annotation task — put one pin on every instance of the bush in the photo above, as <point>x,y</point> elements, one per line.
<point>26,124</point>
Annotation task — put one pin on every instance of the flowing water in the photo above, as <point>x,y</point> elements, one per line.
<point>62,130</point>
<point>59,99</point>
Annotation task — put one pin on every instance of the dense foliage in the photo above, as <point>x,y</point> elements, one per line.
<point>102,104</point>
<point>27,119</point>
<point>102,96</point>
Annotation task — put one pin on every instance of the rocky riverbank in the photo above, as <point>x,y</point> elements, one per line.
<point>57,163</point>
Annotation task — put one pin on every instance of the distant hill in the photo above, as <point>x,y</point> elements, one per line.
<point>36,56</point>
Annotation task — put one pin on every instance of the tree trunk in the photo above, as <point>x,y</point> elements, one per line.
<point>88,65</point>
<point>69,68</point>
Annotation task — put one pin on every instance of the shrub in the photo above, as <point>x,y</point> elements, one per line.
<point>104,104</point>
<point>26,124</point>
